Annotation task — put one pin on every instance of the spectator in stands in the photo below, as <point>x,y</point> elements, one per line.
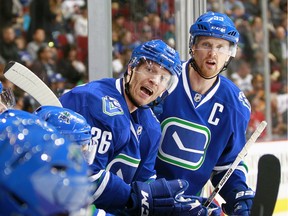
<point>169,36</point>
<point>230,4</point>
<point>119,63</point>
<point>278,45</point>
<point>276,80</point>
<point>70,8</point>
<point>279,106</point>
<point>37,41</point>
<point>10,11</point>
<point>125,42</point>
<point>159,7</point>
<point>257,116</point>
<point>246,37</point>
<point>257,91</point>
<point>118,24</point>
<point>155,23</point>
<point>275,11</point>
<point>81,23</point>
<point>243,77</point>
<point>146,33</point>
<point>57,26</point>
<point>257,32</point>
<point>238,12</point>
<point>23,53</point>
<point>70,67</point>
<point>44,66</point>
<point>8,47</point>
<point>257,65</point>
<point>213,5</point>
<point>252,7</point>
<point>58,84</point>
<point>41,17</point>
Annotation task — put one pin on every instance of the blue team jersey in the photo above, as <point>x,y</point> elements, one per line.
<point>202,134</point>
<point>127,143</point>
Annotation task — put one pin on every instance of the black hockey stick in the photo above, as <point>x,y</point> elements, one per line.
<point>268,180</point>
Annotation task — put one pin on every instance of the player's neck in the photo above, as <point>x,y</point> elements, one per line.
<point>129,103</point>
<point>198,83</point>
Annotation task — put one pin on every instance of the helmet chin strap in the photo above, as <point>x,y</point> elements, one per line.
<point>197,69</point>
<point>127,89</point>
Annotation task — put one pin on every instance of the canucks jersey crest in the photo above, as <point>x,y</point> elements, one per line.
<point>186,143</point>
<point>111,106</point>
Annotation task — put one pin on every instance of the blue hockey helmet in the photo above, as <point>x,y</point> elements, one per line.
<point>7,99</point>
<point>162,54</point>
<point>41,172</point>
<point>213,24</point>
<point>70,123</point>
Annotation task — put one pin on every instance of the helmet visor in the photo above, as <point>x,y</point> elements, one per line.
<point>155,71</point>
<point>229,50</point>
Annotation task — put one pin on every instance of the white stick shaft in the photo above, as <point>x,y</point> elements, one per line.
<point>25,79</point>
<point>239,158</point>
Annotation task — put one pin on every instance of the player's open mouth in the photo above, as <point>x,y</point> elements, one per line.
<point>211,62</point>
<point>146,91</point>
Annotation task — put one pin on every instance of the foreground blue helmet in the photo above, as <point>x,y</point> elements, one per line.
<point>7,99</point>
<point>72,125</point>
<point>217,25</point>
<point>41,173</point>
<point>162,54</point>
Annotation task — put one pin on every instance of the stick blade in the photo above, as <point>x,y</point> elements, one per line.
<point>25,79</point>
<point>268,180</point>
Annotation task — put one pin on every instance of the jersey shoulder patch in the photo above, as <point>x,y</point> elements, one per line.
<point>111,106</point>
<point>242,98</point>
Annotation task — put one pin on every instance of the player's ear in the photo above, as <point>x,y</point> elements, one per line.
<point>191,51</point>
<point>129,70</point>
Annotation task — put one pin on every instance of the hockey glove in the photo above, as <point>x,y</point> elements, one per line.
<point>156,198</point>
<point>239,202</point>
<point>197,208</point>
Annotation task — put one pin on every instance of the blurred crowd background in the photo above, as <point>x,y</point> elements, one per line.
<point>51,38</point>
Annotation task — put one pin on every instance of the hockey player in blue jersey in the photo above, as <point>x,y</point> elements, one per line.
<point>205,118</point>
<point>126,135</point>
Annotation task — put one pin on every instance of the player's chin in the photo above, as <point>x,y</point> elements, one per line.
<point>146,101</point>
<point>210,74</point>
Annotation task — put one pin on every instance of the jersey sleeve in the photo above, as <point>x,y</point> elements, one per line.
<point>239,122</point>
<point>111,193</point>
